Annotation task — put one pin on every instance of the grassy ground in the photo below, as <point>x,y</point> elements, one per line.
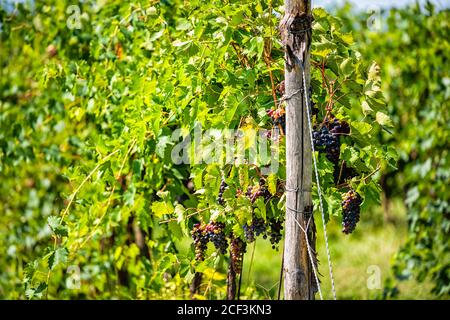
<point>356,258</point>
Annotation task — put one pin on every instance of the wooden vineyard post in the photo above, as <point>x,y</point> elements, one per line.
<point>298,274</point>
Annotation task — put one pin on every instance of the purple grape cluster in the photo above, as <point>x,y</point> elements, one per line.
<point>257,227</point>
<point>338,127</point>
<point>216,234</point>
<point>200,241</point>
<point>275,225</point>
<point>325,141</point>
<point>351,202</point>
<point>204,233</point>
<point>222,188</point>
<point>249,233</point>
<point>237,250</point>
<point>253,192</point>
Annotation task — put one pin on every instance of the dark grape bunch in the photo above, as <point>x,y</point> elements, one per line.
<point>338,127</point>
<point>278,117</point>
<point>203,233</point>
<point>275,225</point>
<point>351,202</point>
<point>249,233</point>
<point>223,187</point>
<point>253,192</point>
<point>257,227</point>
<point>216,234</point>
<point>237,250</point>
<point>325,141</point>
<point>200,241</point>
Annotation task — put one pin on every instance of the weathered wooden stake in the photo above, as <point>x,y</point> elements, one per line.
<point>295,30</point>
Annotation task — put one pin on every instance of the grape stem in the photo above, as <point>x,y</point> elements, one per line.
<point>188,216</point>
<point>362,179</point>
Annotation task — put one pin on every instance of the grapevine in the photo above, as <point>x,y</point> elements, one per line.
<point>124,86</point>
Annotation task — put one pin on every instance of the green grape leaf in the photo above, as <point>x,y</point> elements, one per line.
<point>383,119</point>
<point>161,208</point>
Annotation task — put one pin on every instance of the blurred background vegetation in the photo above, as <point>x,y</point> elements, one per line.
<point>44,146</point>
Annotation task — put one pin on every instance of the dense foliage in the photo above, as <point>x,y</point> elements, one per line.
<point>415,71</point>
<point>94,100</point>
